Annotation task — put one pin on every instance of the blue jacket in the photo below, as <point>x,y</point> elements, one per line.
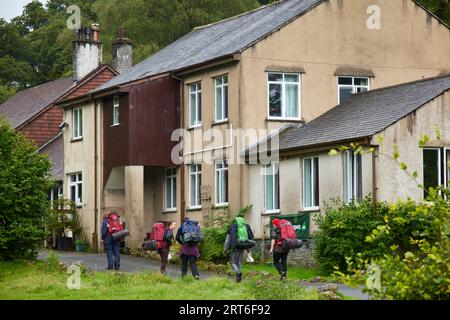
<point>104,229</point>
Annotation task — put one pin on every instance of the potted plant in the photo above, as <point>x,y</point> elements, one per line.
<point>63,221</point>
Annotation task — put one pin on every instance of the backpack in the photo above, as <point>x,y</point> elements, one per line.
<point>288,237</point>
<point>191,232</point>
<point>157,236</point>
<point>242,237</point>
<point>115,227</point>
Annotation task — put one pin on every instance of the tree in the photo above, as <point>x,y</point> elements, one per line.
<point>24,205</point>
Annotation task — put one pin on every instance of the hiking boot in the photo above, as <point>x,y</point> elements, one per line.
<point>283,276</point>
<point>109,268</point>
<point>238,277</point>
<point>197,277</point>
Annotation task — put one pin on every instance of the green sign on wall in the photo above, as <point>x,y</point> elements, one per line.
<point>300,222</point>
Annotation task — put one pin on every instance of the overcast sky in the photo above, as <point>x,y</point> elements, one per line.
<point>13,8</point>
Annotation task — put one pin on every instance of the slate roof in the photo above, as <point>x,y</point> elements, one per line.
<point>217,40</point>
<point>55,150</point>
<point>365,114</point>
<point>28,103</point>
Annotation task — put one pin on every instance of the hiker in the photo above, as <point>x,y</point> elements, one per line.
<point>112,247</point>
<point>239,239</point>
<point>165,249</point>
<point>279,253</point>
<point>189,251</point>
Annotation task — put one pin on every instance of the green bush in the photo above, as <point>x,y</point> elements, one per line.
<point>212,247</point>
<point>342,232</point>
<point>24,205</point>
<point>417,268</point>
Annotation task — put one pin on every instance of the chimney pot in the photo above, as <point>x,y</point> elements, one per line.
<point>122,52</point>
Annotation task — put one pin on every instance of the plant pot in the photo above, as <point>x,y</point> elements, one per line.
<point>64,244</point>
<point>80,247</point>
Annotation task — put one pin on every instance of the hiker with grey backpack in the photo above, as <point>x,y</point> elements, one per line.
<point>189,235</point>
<point>239,238</point>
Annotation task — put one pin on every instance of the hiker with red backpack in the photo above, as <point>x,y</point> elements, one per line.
<point>113,232</point>
<point>239,238</point>
<point>189,235</point>
<point>283,239</point>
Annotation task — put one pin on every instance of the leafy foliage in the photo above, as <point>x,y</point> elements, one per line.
<point>24,206</point>
<point>342,232</point>
<point>413,269</point>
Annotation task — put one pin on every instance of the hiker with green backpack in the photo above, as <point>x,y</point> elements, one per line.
<point>239,238</point>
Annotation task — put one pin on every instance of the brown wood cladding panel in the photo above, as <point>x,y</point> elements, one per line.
<point>115,139</point>
<point>148,116</point>
<point>155,114</point>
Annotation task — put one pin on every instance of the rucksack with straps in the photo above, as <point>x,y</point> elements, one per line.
<point>155,240</point>
<point>288,237</point>
<point>115,227</point>
<point>191,232</point>
<point>242,237</point>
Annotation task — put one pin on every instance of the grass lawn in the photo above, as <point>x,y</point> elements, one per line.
<point>296,273</point>
<point>45,280</point>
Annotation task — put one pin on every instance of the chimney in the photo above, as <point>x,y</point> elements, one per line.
<point>87,51</point>
<point>122,52</point>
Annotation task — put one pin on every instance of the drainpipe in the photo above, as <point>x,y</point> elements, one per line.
<point>182,168</point>
<point>374,184</point>
<point>94,234</point>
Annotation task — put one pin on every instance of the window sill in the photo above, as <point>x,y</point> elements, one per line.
<point>169,211</point>
<point>194,209</point>
<point>313,209</point>
<point>220,206</point>
<point>194,127</point>
<point>271,212</point>
<point>218,123</point>
<point>115,125</point>
<point>76,139</point>
<point>294,120</point>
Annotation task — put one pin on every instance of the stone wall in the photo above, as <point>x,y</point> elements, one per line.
<point>302,257</point>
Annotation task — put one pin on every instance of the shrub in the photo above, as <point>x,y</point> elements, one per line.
<point>413,269</point>
<point>342,232</point>
<point>24,205</point>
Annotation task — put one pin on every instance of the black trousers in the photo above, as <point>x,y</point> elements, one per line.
<point>279,259</point>
<point>184,263</point>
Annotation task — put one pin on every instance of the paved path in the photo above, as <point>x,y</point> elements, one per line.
<point>129,263</point>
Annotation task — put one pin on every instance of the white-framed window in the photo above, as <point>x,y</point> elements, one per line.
<point>116,106</point>
<point>350,85</point>
<point>272,188</point>
<point>436,168</point>
<point>56,192</point>
<point>311,183</point>
<point>195,104</point>
<point>76,188</point>
<point>221,169</point>
<point>195,184</point>
<point>284,96</point>
<point>170,189</point>
<point>352,176</point>
<point>77,116</point>
<point>221,93</point>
